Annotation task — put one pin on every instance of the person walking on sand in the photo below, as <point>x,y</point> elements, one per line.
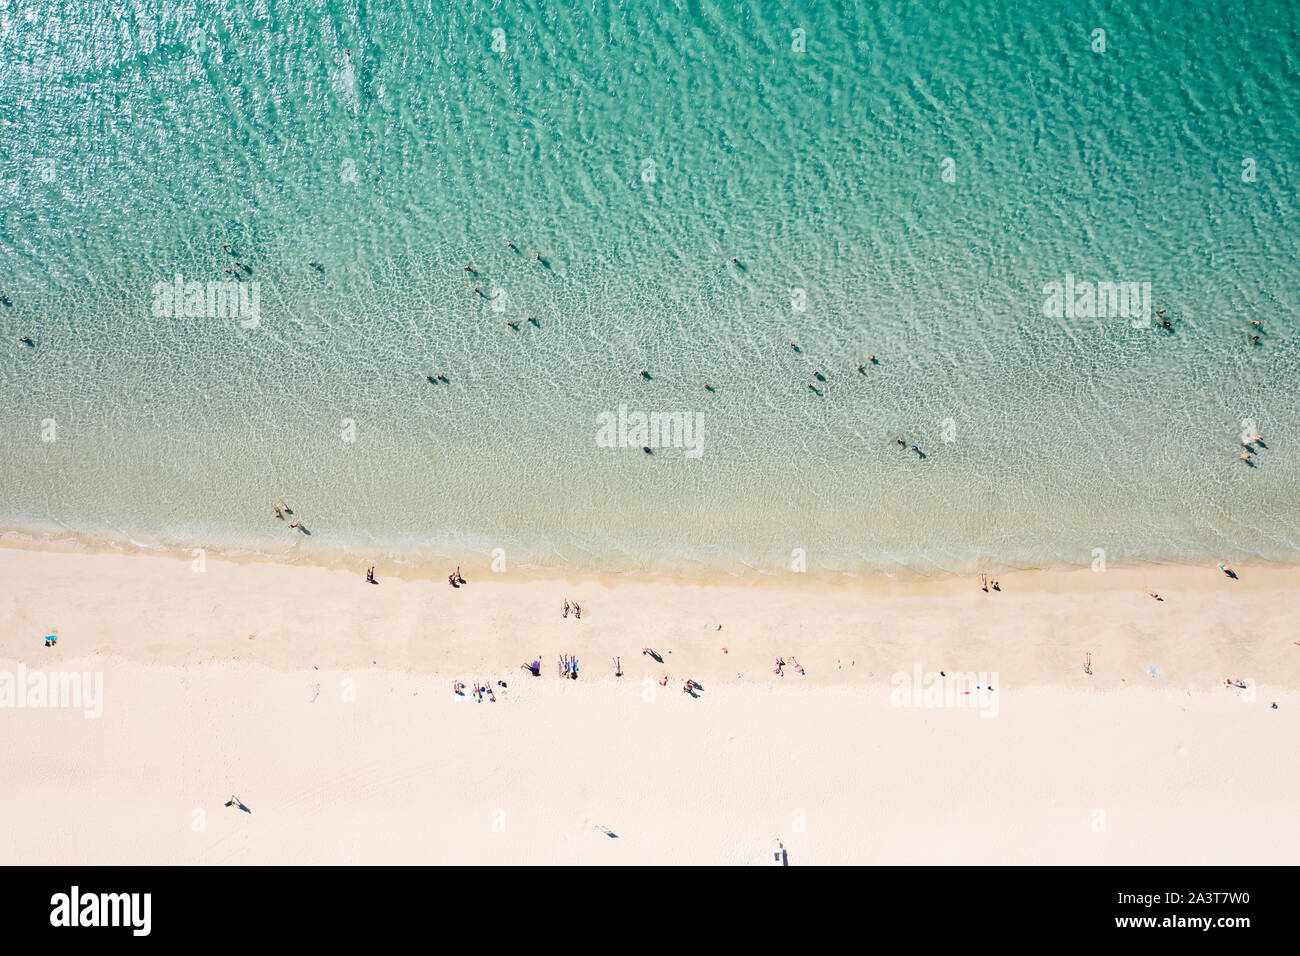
<point>577,611</point>
<point>565,612</point>
<point>984,582</point>
<point>278,513</point>
<point>618,668</point>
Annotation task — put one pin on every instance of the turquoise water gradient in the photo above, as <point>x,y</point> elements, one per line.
<point>639,148</point>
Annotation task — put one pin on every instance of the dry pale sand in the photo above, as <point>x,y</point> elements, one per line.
<point>209,679</point>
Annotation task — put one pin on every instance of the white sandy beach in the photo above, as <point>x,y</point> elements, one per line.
<point>208,685</point>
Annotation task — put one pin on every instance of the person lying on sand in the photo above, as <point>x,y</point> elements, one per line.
<point>565,612</point>
<point>577,611</point>
<point>1154,595</point>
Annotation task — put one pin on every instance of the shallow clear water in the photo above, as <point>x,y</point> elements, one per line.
<point>639,150</point>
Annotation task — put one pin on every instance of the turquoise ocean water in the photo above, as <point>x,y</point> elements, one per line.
<point>896,179</point>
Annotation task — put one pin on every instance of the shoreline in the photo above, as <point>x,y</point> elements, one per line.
<point>1036,631</point>
<point>429,567</point>
<point>1116,576</point>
